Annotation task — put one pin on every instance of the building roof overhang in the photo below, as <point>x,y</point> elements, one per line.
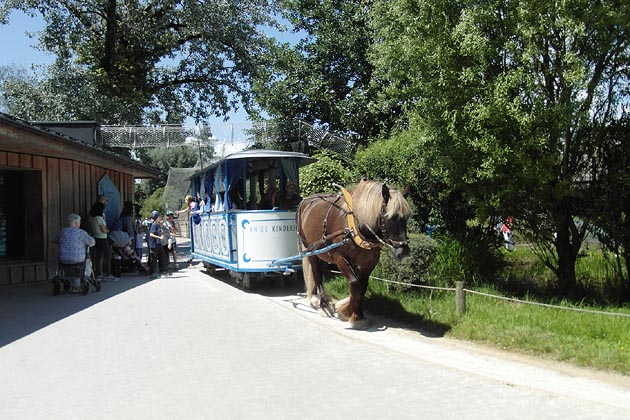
<point>19,136</point>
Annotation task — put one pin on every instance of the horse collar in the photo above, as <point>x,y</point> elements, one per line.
<point>354,231</point>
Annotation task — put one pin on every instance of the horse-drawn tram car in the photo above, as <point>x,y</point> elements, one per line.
<point>249,222</point>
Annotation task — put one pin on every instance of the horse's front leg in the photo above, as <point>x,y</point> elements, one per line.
<point>351,308</point>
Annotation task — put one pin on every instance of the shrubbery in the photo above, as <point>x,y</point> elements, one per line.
<point>319,176</point>
<point>413,270</point>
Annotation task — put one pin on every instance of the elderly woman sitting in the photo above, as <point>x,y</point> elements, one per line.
<point>72,242</point>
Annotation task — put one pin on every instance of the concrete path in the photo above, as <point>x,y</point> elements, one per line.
<point>193,347</point>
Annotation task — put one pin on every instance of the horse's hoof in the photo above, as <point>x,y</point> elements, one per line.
<point>342,316</point>
<point>359,323</point>
<point>316,302</point>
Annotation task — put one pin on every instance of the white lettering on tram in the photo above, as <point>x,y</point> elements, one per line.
<point>260,228</point>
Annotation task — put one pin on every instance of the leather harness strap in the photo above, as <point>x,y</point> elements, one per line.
<point>356,237</point>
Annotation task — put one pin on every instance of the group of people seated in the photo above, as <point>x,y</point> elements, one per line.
<point>272,199</point>
<point>287,201</point>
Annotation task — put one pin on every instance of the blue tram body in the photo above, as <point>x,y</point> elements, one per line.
<point>247,231</point>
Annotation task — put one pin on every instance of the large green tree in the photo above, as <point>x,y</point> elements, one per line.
<point>325,77</point>
<point>507,92</point>
<point>170,58</point>
<point>62,92</point>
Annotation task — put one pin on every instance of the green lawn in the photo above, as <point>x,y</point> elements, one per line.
<point>583,339</point>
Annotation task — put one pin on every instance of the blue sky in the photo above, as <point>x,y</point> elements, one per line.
<point>16,48</point>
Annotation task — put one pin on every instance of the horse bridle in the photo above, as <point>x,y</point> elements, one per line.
<point>385,241</point>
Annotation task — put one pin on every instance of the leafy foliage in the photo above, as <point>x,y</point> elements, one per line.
<point>159,59</point>
<point>61,92</point>
<point>505,92</point>
<point>318,177</point>
<point>399,160</point>
<point>611,192</point>
<point>412,270</point>
<point>326,77</point>
<point>153,202</point>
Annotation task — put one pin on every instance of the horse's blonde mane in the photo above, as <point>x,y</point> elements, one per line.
<point>367,199</point>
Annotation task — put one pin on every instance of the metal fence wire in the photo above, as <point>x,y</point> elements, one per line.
<point>265,133</point>
<point>137,137</point>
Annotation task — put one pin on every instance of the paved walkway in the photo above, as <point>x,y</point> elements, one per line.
<point>193,347</point>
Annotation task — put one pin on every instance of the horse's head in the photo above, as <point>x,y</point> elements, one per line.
<point>384,212</point>
<point>394,217</point>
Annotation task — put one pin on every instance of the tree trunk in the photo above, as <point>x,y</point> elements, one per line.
<point>567,246</point>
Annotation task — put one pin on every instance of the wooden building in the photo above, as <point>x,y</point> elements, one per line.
<point>44,176</point>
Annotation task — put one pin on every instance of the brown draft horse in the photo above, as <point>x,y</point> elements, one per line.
<point>359,223</point>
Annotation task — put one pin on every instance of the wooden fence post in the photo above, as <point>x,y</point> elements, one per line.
<point>460,298</point>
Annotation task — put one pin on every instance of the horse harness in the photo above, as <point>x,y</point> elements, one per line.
<point>351,232</point>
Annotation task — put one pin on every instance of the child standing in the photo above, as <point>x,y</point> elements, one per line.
<point>141,232</point>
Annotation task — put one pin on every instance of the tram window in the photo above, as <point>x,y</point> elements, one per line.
<point>21,226</point>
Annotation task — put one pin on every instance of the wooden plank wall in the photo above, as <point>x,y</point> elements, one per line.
<point>67,187</point>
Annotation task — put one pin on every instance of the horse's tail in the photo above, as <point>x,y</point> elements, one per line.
<point>343,308</point>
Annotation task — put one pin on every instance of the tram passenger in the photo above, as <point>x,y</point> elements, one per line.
<point>207,206</point>
<point>200,203</point>
<point>268,202</point>
<point>290,199</point>
<point>236,199</point>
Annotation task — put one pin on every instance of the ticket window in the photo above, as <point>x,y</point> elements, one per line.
<point>21,218</point>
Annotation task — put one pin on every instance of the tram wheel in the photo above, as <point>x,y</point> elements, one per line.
<point>246,282</point>
<point>209,268</point>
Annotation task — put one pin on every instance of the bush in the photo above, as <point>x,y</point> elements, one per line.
<point>413,270</point>
<point>400,160</point>
<point>471,258</point>
<point>319,176</point>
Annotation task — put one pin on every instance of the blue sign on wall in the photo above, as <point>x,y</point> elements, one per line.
<point>112,210</point>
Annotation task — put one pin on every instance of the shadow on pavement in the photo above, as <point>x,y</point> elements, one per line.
<point>390,312</point>
<point>26,308</point>
<point>382,312</point>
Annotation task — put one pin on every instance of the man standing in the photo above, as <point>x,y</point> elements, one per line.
<point>157,256</point>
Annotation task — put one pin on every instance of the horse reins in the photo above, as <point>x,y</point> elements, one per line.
<point>356,236</point>
<point>352,232</point>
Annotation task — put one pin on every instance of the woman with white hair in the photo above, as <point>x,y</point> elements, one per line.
<point>73,242</point>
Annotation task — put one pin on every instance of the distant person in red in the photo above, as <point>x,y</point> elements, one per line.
<point>506,231</point>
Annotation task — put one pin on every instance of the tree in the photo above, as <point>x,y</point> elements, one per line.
<point>61,92</point>
<point>325,78</point>
<point>610,189</point>
<point>176,58</point>
<point>506,92</point>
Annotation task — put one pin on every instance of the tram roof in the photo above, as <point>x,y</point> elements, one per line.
<point>255,154</point>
